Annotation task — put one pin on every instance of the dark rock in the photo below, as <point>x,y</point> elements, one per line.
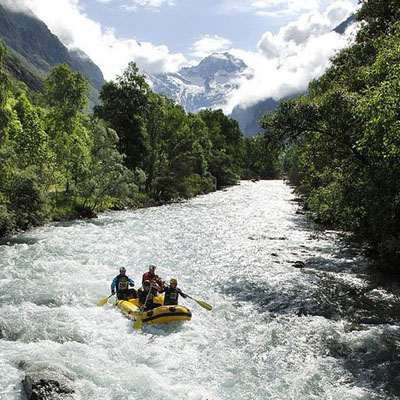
<point>274,255</point>
<point>298,264</point>
<point>298,200</point>
<point>86,212</point>
<point>46,382</point>
<point>354,327</point>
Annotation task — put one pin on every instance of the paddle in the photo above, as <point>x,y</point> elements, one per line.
<point>203,304</point>
<point>104,301</point>
<point>138,321</point>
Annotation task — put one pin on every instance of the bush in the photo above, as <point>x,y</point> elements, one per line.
<point>27,201</point>
<point>7,220</point>
<point>195,185</point>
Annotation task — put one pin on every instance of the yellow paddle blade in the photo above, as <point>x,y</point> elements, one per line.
<point>138,323</point>
<point>102,302</point>
<point>204,304</point>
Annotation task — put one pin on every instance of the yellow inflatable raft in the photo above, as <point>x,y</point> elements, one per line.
<point>159,315</point>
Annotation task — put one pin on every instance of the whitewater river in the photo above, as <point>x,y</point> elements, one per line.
<point>326,331</point>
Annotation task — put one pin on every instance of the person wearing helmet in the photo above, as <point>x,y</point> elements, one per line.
<point>172,293</point>
<point>121,284</point>
<point>147,295</point>
<point>151,276</point>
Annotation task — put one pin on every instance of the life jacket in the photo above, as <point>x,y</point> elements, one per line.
<point>149,276</point>
<point>122,283</point>
<point>171,296</point>
<point>143,296</point>
<point>153,278</point>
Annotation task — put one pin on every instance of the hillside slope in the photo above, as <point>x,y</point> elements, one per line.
<point>34,50</point>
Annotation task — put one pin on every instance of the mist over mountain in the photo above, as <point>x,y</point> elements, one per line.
<point>34,50</point>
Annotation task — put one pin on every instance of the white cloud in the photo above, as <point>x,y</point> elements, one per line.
<point>149,4</point>
<point>13,5</point>
<point>270,8</point>
<point>339,11</point>
<point>286,62</point>
<point>209,44</point>
<point>112,54</point>
<point>284,7</point>
<point>132,5</point>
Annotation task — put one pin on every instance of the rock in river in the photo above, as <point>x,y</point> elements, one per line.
<point>46,382</point>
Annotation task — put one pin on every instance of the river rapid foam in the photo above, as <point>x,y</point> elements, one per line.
<point>276,332</point>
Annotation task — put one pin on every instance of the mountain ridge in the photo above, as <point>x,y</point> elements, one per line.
<point>34,50</point>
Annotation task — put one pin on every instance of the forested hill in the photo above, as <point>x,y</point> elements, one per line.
<point>34,50</point>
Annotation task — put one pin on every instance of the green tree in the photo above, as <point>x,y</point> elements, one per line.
<point>4,93</point>
<point>31,139</point>
<point>124,107</point>
<point>343,137</point>
<point>262,158</point>
<point>66,95</point>
<point>106,179</point>
<point>28,203</point>
<point>7,218</point>
<point>228,150</point>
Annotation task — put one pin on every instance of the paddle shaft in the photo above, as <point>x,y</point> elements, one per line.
<point>147,297</point>
<point>203,304</point>
<point>104,301</point>
<point>138,322</point>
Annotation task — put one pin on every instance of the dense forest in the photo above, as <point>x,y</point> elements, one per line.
<point>137,148</point>
<point>342,140</point>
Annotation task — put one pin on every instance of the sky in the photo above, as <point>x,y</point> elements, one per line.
<point>286,43</point>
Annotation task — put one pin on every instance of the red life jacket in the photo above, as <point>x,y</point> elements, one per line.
<point>149,276</point>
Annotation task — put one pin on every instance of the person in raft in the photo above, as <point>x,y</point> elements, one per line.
<point>172,293</point>
<point>154,279</point>
<point>147,295</point>
<point>121,284</point>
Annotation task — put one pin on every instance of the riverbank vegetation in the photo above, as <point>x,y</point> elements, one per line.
<point>137,148</point>
<point>342,140</point>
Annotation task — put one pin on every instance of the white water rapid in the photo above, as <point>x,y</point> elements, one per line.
<point>273,333</point>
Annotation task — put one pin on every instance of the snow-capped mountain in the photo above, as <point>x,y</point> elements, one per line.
<point>206,85</point>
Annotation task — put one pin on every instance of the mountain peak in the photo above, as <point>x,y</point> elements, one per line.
<point>215,62</point>
<point>223,56</point>
<point>207,84</point>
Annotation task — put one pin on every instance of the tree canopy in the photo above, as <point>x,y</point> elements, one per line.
<point>342,139</point>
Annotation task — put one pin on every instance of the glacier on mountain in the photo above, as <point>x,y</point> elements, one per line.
<point>205,85</point>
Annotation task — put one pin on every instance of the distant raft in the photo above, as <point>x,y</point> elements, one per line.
<point>159,315</point>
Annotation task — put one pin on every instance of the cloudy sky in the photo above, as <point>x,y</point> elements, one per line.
<point>285,42</point>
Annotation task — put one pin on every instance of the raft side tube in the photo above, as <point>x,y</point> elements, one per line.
<point>159,315</point>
